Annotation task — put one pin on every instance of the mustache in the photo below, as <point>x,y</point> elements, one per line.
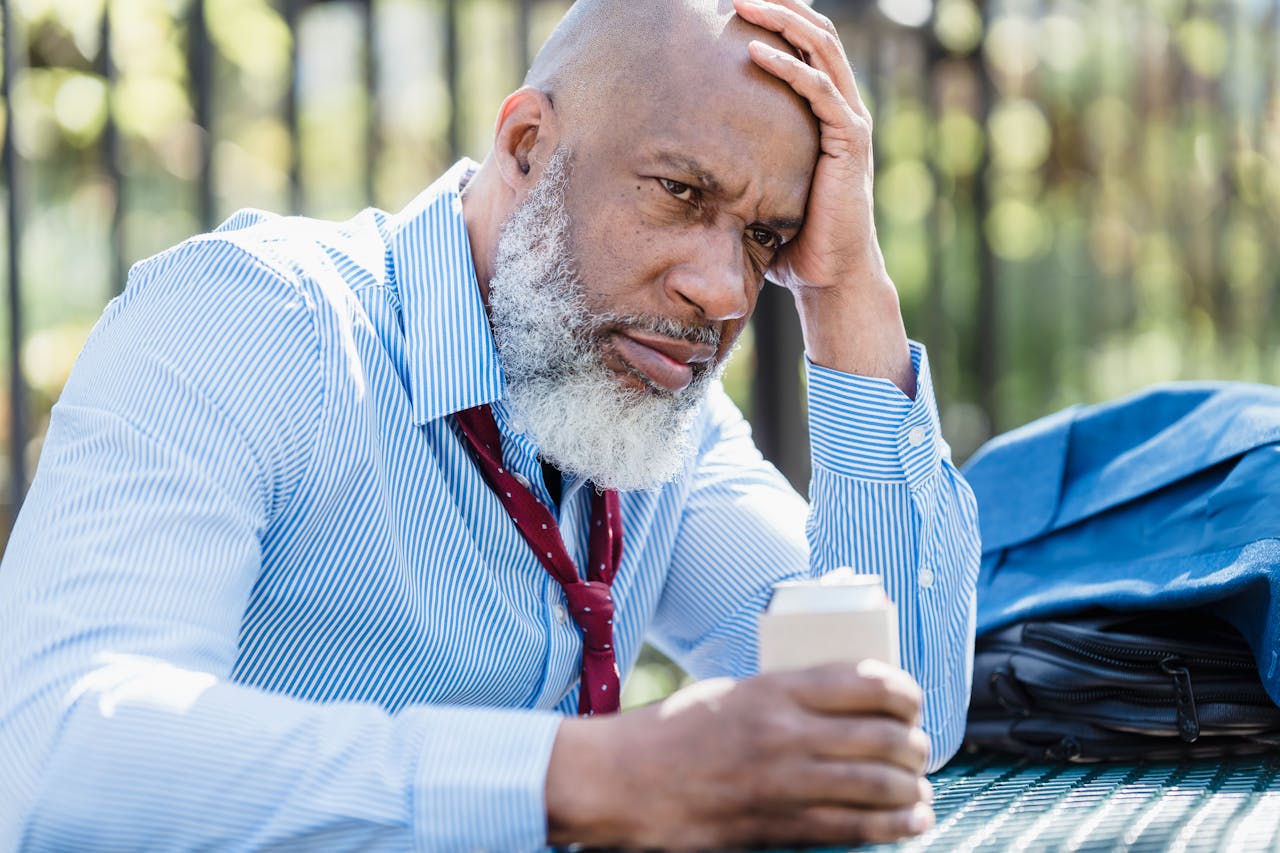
<point>664,326</point>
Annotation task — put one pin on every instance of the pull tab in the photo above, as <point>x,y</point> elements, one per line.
<point>1188,720</point>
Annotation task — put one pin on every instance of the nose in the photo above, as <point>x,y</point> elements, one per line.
<point>712,275</point>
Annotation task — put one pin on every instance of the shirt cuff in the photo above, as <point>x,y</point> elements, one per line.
<point>482,780</point>
<point>866,428</point>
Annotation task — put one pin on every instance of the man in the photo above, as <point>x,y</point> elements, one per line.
<point>289,572</point>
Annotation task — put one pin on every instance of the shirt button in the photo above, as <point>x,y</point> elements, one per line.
<point>521,479</point>
<point>561,614</point>
<point>925,577</point>
<point>916,436</point>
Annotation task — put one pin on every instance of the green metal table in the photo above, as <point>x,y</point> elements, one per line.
<point>992,803</point>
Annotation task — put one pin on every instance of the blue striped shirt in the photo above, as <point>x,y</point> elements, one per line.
<point>259,593</point>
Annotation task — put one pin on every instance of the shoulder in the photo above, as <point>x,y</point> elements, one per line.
<point>231,348</point>
<point>252,320</point>
<point>258,275</point>
<point>320,261</point>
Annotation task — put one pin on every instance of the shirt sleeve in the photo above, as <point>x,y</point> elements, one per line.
<point>183,433</point>
<point>885,499</point>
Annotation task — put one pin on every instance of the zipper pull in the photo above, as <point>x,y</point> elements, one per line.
<point>1188,720</point>
<point>1009,693</point>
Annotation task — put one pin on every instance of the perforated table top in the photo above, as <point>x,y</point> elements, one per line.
<point>989,803</point>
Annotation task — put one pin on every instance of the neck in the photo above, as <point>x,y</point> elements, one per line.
<point>481,206</point>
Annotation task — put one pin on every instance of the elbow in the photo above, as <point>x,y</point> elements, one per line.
<point>71,750</point>
<point>28,744</point>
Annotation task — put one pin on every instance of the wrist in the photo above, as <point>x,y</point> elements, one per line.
<point>583,788</point>
<point>860,332</point>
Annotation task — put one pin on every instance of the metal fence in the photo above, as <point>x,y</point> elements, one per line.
<point>1075,197</point>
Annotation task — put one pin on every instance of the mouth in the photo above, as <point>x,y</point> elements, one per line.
<point>667,363</point>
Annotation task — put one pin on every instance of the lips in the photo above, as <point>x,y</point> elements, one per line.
<point>666,362</point>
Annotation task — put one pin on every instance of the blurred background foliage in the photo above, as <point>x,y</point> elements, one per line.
<point>1075,197</point>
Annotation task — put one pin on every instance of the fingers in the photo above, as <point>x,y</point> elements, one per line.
<point>869,738</point>
<point>869,687</point>
<point>814,36</point>
<point>871,826</point>
<point>836,825</point>
<point>859,784</point>
<point>812,84</point>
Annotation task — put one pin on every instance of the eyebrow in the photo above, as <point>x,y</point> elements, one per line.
<point>784,223</point>
<point>711,184</point>
<point>692,167</point>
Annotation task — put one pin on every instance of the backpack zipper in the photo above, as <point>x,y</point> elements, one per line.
<point>1105,652</point>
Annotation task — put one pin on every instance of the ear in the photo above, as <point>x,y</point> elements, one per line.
<point>526,134</point>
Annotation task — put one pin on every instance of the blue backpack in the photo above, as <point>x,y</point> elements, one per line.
<point>1129,594</point>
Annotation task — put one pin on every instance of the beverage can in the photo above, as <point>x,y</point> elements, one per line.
<point>842,617</point>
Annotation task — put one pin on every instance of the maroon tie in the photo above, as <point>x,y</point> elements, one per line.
<point>590,601</point>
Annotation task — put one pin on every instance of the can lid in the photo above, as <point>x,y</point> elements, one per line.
<point>839,590</point>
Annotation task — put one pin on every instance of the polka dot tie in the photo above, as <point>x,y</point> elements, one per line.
<point>591,600</point>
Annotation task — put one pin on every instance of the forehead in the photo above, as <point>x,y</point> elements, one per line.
<point>718,115</point>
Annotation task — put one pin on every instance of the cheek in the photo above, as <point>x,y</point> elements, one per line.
<point>620,259</point>
<point>623,243</point>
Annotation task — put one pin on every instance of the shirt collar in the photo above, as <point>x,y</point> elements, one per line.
<point>451,358</point>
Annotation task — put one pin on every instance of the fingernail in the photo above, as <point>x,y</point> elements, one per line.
<point>921,818</point>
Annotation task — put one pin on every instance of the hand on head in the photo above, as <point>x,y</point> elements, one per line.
<point>830,755</point>
<point>848,305</point>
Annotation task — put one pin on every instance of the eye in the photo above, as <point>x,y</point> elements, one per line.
<point>765,237</point>
<point>684,192</point>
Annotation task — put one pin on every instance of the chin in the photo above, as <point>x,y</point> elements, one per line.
<point>611,428</point>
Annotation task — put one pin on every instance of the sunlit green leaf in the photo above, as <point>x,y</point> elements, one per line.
<point>149,106</point>
<point>80,107</point>
<point>1064,42</point>
<point>904,191</point>
<point>958,25</point>
<point>1020,136</point>
<point>251,34</point>
<point>1017,230</point>
<point>960,144</point>
<point>1010,46</point>
<point>1204,46</point>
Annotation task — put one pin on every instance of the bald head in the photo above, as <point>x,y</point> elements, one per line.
<point>687,165</point>
<point>614,53</point>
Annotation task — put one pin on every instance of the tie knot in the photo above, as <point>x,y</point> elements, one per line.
<point>591,604</point>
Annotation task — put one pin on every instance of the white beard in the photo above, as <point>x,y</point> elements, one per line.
<point>559,390</point>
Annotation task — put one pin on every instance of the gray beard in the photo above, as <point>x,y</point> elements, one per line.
<point>559,390</point>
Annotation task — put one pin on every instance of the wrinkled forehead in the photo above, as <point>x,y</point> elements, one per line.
<point>700,95</point>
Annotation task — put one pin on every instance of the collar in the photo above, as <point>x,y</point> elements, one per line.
<point>449,350</point>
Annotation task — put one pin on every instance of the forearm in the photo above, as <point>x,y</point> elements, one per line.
<point>149,756</point>
<point>858,333</point>
<point>928,561</point>
<point>886,500</point>
<point>582,797</point>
